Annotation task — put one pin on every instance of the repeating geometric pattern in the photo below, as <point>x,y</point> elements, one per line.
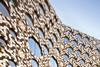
<point>32,35</point>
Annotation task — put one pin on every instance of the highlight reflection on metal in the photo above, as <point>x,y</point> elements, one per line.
<point>31,34</point>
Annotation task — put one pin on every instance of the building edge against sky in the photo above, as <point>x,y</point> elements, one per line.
<point>31,34</point>
<point>82,15</point>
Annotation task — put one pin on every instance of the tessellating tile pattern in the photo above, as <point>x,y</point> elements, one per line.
<point>32,35</point>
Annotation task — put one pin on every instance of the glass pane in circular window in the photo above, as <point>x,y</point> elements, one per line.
<point>78,37</point>
<point>86,56</point>
<point>50,44</point>
<point>2,42</point>
<point>12,33</point>
<point>41,34</point>
<point>82,61</point>
<point>45,50</point>
<point>78,53</point>
<point>45,6</point>
<point>11,64</point>
<point>34,63</point>
<point>34,47</point>
<point>3,10</point>
<point>65,57</point>
<point>69,65</point>
<point>66,40</point>
<point>40,10</point>
<point>74,44</point>
<point>69,50</point>
<point>28,20</point>
<point>53,62</point>
<point>54,38</point>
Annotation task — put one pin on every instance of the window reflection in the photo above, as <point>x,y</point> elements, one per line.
<point>45,50</point>
<point>3,10</point>
<point>12,32</point>
<point>50,44</point>
<point>69,50</point>
<point>78,53</point>
<point>66,40</point>
<point>40,10</point>
<point>86,55</point>
<point>98,48</point>
<point>45,6</point>
<point>58,33</point>
<point>65,57</point>
<point>69,65</point>
<point>11,64</point>
<point>13,2</point>
<point>82,61</point>
<point>53,62</point>
<point>74,43</point>
<point>28,20</point>
<point>34,47</point>
<point>78,37</point>
<point>54,38</point>
<point>34,63</point>
<point>41,34</point>
<point>2,42</point>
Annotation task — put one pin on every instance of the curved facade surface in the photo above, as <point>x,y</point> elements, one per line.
<point>31,35</point>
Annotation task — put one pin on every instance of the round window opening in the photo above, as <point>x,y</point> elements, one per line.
<point>34,63</point>
<point>65,57</point>
<point>28,20</point>
<point>66,39</point>
<point>4,10</point>
<point>44,49</point>
<point>2,42</point>
<point>74,43</point>
<point>53,62</point>
<point>11,63</point>
<point>34,46</point>
<point>69,50</point>
<point>69,65</point>
<point>12,32</point>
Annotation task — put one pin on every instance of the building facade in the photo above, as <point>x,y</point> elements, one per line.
<point>32,35</point>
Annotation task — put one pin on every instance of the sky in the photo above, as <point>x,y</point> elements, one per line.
<point>82,15</point>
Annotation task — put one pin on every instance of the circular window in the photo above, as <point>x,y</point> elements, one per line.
<point>53,62</point>
<point>98,48</point>
<point>78,53</point>
<point>74,43</point>
<point>58,33</point>
<point>11,63</point>
<point>45,50</point>
<point>54,38</point>
<point>82,62</point>
<point>3,10</point>
<point>2,42</point>
<point>65,57</point>
<point>40,10</point>
<point>66,40</point>
<point>13,2</point>
<point>34,46</point>
<point>28,20</point>
<point>86,41</point>
<point>69,50</point>
<point>34,63</point>
<point>12,32</point>
<point>86,56</point>
<point>69,65</point>
<point>78,37</point>
<point>50,44</point>
<point>40,32</point>
<point>45,6</point>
